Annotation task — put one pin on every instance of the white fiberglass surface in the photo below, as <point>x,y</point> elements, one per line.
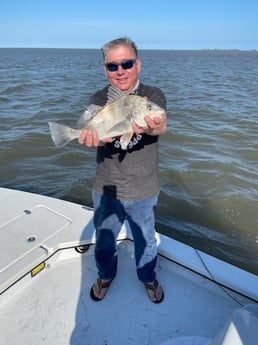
<point>54,307</point>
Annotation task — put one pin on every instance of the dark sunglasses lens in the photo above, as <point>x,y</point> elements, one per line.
<point>112,67</point>
<point>127,64</point>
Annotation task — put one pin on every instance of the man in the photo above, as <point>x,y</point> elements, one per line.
<point>126,184</point>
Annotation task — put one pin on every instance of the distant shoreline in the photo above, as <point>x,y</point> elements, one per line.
<point>145,49</point>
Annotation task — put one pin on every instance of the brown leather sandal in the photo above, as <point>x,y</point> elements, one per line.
<point>152,289</point>
<point>101,286</point>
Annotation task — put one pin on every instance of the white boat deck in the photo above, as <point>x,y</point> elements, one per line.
<point>54,306</point>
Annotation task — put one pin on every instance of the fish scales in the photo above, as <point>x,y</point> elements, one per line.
<point>112,120</point>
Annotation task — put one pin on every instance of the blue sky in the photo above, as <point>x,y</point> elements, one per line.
<point>168,24</point>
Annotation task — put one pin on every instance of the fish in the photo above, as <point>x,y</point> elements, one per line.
<point>112,120</point>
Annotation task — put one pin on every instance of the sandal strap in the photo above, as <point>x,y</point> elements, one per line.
<point>103,285</point>
<point>152,286</point>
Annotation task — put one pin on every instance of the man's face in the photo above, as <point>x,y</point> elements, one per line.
<point>124,79</point>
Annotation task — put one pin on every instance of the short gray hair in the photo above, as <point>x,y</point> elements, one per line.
<point>122,41</point>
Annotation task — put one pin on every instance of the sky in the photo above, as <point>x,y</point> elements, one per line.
<point>167,24</point>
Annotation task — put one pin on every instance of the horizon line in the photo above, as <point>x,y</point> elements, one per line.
<point>153,48</point>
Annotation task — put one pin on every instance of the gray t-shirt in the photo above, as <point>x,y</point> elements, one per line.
<point>129,174</point>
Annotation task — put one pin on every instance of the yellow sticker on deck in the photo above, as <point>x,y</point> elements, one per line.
<point>38,269</point>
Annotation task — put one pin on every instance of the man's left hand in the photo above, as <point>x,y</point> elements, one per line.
<point>154,126</point>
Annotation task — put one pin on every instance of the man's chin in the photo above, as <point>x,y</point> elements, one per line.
<point>123,86</point>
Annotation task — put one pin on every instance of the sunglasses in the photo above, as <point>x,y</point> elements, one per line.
<point>125,64</point>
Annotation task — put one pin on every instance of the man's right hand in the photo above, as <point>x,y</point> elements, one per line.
<point>90,138</point>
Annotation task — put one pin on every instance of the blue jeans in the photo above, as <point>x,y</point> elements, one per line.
<point>109,216</point>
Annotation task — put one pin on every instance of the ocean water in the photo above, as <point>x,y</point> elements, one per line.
<point>208,157</point>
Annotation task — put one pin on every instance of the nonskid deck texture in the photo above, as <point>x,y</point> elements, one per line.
<point>55,308</point>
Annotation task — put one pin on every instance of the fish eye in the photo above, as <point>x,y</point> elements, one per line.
<point>149,107</point>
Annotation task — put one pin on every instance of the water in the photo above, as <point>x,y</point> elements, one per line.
<point>208,157</point>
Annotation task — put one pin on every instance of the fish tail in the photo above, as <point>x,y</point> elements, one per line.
<point>61,134</point>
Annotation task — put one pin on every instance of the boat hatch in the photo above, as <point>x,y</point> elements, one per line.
<point>27,232</point>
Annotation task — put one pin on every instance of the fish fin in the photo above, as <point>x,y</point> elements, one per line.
<point>125,139</point>
<point>88,114</point>
<point>126,129</point>
<point>120,127</point>
<point>61,134</point>
<point>113,93</point>
<point>93,108</point>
